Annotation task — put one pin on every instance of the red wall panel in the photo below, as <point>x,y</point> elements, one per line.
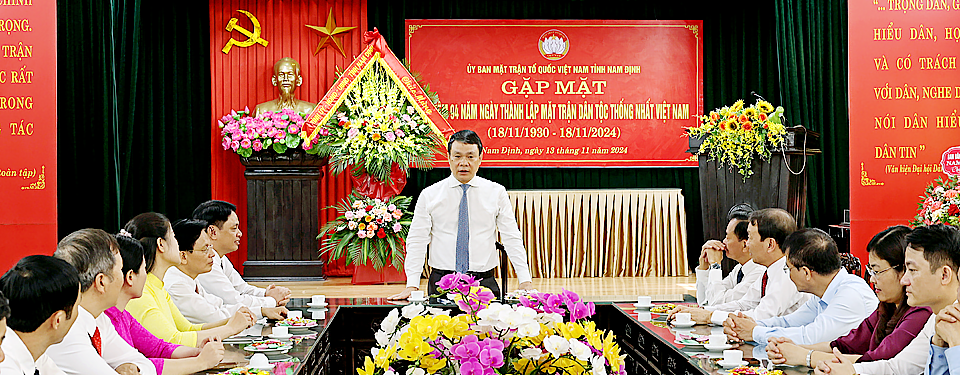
<point>241,78</point>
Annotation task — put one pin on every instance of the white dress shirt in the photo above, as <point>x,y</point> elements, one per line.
<point>435,224</point>
<point>225,282</point>
<point>911,360</point>
<point>198,306</point>
<point>76,354</point>
<point>846,302</point>
<point>19,361</point>
<point>780,299</point>
<point>714,289</point>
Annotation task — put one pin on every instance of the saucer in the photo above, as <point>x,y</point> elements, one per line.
<point>717,348</point>
<point>280,337</point>
<point>683,325</point>
<point>725,364</point>
<point>424,299</point>
<point>317,305</point>
<point>688,342</point>
<point>639,306</point>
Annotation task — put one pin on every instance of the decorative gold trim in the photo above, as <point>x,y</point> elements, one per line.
<point>40,184</point>
<point>695,29</point>
<point>867,181</point>
<point>412,29</point>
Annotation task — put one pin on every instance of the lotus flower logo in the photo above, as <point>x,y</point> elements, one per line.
<point>554,45</point>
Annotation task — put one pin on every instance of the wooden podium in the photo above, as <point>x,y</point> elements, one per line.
<point>282,216</point>
<point>780,182</point>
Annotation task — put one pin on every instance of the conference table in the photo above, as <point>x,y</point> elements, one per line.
<point>344,336</point>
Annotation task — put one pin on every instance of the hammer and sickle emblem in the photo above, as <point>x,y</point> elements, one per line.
<point>252,37</point>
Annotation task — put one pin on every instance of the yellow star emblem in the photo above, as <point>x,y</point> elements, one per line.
<point>330,30</point>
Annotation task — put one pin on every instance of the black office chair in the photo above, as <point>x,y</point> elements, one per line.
<point>852,264</point>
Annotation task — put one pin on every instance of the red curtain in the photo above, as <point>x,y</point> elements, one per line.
<point>241,78</point>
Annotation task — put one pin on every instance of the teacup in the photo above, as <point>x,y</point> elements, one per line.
<point>681,318</point>
<point>644,300</point>
<point>281,331</point>
<point>294,314</point>
<point>259,360</point>
<point>717,340</point>
<point>416,295</point>
<point>732,356</point>
<point>318,299</point>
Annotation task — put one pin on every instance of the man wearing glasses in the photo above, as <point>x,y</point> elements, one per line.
<point>841,300</point>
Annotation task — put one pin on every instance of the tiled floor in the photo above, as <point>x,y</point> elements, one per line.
<point>590,288</point>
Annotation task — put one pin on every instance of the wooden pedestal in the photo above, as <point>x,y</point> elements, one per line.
<point>282,216</point>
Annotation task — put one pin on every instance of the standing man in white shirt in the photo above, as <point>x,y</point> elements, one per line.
<point>459,218</point>
<point>932,268</point>
<point>841,300</point>
<point>223,280</point>
<point>774,294</point>
<point>712,287</point>
<point>93,346</point>
<point>43,292</point>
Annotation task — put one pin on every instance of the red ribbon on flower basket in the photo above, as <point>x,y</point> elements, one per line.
<point>370,186</point>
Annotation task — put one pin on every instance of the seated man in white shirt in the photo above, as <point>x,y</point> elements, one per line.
<point>196,258</point>
<point>223,280</point>
<point>841,300</point>
<point>932,268</point>
<point>92,346</point>
<point>712,287</point>
<point>459,218</point>
<point>43,292</point>
<point>774,294</point>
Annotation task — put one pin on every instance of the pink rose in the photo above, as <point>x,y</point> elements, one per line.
<point>245,143</point>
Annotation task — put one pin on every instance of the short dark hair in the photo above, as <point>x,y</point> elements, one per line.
<point>131,251</point>
<point>939,243</point>
<point>4,307</point>
<point>465,136</point>
<point>812,248</point>
<point>147,228</point>
<point>740,213</point>
<point>774,223</point>
<point>187,232</point>
<point>90,251</point>
<point>214,212</point>
<point>37,287</point>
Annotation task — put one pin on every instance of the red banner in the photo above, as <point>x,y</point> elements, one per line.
<point>566,93</point>
<point>258,33</point>
<point>904,97</point>
<point>28,129</point>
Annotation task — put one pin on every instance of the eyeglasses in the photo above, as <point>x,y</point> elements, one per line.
<point>873,273</point>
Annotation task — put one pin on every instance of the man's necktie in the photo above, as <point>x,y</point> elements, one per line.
<point>739,276</point>
<point>763,285</point>
<point>95,339</point>
<point>463,234</point>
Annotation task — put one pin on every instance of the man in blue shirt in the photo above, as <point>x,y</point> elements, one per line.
<point>940,244</point>
<point>841,301</point>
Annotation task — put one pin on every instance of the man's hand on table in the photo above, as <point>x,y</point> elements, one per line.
<point>526,285</point>
<point>403,295</point>
<point>698,315</point>
<point>739,327</point>
<point>278,313</point>
<point>839,365</point>
<point>278,293</point>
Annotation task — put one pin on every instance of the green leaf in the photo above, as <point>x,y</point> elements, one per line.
<point>292,140</point>
<point>279,147</point>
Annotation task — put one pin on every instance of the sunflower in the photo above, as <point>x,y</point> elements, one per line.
<point>750,112</point>
<point>764,106</point>
<point>737,106</point>
<point>730,125</point>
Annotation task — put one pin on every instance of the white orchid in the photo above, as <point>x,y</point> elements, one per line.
<point>580,350</point>
<point>412,311</point>
<point>556,345</point>
<point>389,324</point>
<point>531,353</point>
<point>598,366</point>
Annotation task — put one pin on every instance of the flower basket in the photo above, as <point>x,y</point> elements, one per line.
<point>545,334</point>
<point>940,203</point>
<point>734,135</point>
<point>270,131</point>
<point>368,231</point>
